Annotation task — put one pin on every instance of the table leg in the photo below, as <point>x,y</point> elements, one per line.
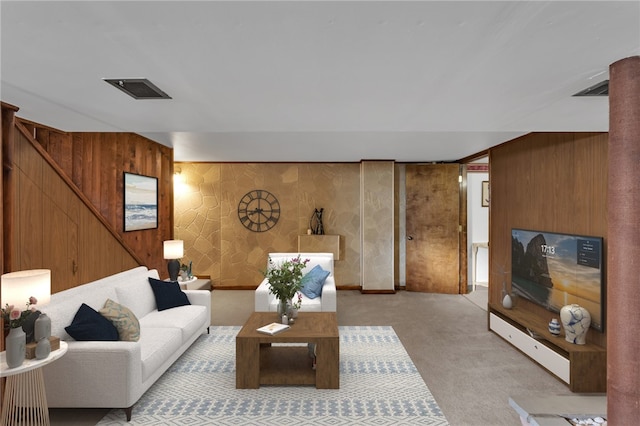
<point>247,363</point>
<point>328,364</point>
<point>25,400</point>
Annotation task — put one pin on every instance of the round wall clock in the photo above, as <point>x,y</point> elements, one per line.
<point>258,210</point>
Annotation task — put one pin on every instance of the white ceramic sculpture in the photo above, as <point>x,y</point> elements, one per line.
<point>576,321</point>
<point>507,303</point>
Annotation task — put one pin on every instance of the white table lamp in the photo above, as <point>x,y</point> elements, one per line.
<point>18,287</point>
<point>173,250</point>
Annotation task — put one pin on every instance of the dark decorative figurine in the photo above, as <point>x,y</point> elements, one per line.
<point>316,219</point>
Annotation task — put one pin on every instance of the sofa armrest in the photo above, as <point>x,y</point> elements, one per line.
<point>263,297</point>
<point>329,295</point>
<point>115,369</point>
<point>199,297</point>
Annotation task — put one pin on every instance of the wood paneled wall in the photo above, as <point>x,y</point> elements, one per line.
<point>99,161</point>
<point>6,153</point>
<point>7,116</point>
<point>555,182</point>
<point>94,163</point>
<point>54,229</point>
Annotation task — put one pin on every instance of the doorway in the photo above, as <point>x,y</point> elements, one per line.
<point>478,200</point>
<point>433,228</point>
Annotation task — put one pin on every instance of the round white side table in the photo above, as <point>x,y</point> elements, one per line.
<point>183,284</point>
<point>25,400</point>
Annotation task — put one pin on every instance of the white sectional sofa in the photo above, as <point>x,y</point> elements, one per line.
<point>267,302</point>
<point>115,374</point>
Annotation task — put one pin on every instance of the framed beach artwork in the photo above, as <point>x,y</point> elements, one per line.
<point>140,202</point>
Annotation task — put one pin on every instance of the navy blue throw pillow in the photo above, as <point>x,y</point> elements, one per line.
<point>168,294</point>
<point>89,325</point>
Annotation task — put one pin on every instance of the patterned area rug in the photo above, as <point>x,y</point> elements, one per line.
<point>379,385</point>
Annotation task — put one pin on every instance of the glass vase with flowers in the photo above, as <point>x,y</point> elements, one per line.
<point>285,280</point>
<point>14,317</point>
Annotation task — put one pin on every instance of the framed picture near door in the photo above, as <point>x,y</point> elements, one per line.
<point>485,193</point>
<point>140,202</point>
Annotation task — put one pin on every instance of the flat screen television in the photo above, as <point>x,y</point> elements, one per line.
<point>554,270</point>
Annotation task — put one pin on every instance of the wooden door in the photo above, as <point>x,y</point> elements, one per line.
<point>59,217</point>
<point>60,247</point>
<point>433,224</point>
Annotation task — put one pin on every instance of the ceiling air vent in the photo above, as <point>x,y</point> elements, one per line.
<point>138,88</point>
<point>600,89</point>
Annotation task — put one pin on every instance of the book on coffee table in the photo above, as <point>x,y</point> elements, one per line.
<point>273,328</point>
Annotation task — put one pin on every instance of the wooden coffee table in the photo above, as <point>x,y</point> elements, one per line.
<point>260,363</point>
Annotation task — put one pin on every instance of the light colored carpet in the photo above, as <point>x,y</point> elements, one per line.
<point>479,297</point>
<point>379,385</point>
<point>470,371</point>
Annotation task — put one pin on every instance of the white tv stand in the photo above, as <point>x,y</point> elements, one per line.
<point>582,367</point>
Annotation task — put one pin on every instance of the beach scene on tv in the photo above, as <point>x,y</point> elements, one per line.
<point>554,270</point>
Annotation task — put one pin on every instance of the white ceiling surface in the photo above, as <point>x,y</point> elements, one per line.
<point>317,81</point>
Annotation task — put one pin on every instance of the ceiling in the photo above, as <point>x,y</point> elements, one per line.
<point>413,81</point>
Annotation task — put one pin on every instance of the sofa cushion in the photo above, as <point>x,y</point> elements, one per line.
<point>88,324</point>
<point>187,318</point>
<point>313,281</point>
<point>157,345</point>
<point>123,319</point>
<point>64,305</point>
<point>168,294</point>
<point>135,293</point>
